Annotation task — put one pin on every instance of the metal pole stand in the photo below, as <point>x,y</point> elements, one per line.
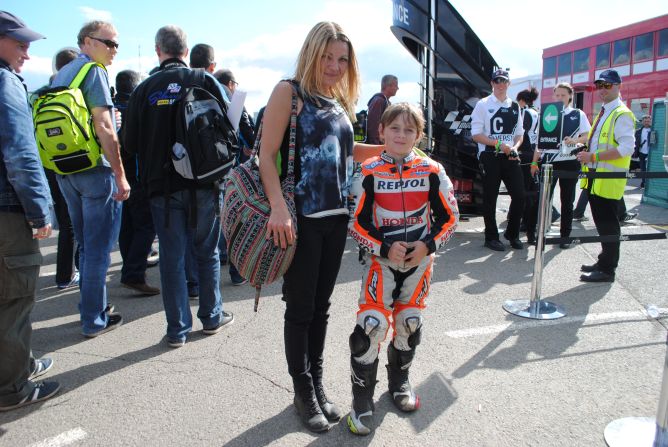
<point>536,308</point>
<point>642,431</point>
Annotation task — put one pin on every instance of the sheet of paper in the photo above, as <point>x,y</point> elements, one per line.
<point>236,107</point>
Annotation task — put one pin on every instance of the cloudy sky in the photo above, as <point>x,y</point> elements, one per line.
<point>259,39</point>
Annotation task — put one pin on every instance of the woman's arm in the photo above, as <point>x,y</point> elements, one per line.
<point>275,124</point>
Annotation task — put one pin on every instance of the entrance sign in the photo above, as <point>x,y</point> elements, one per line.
<point>551,121</point>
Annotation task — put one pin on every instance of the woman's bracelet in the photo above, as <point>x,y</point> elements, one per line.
<point>597,157</point>
<point>497,145</point>
<point>534,163</point>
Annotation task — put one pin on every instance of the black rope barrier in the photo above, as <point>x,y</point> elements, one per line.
<point>610,238</point>
<point>596,174</point>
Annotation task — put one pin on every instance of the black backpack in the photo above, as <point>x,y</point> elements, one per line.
<point>206,143</point>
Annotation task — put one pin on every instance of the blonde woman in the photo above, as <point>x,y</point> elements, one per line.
<point>327,82</point>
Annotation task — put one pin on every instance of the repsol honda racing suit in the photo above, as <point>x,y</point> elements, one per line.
<point>397,200</point>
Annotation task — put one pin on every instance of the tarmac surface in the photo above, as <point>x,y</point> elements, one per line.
<point>485,377</point>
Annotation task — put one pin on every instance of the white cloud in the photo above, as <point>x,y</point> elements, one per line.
<point>38,66</point>
<point>281,46</point>
<point>95,14</point>
<point>366,25</point>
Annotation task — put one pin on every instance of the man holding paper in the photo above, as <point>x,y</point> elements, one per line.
<point>244,123</point>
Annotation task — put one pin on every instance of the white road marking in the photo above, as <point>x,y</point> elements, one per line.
<point>67,438</point>
<point>512,326</point>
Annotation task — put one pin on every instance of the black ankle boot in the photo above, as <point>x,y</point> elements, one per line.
<point>309,410</point>
<point>329,408</point>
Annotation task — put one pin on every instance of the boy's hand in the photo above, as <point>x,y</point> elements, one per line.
<point>414,256</point>
<point>397,252</point>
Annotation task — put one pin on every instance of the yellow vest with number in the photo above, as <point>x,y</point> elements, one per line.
<point>609,188</point>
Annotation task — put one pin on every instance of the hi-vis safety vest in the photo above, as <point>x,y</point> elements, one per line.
<point>609,188</point>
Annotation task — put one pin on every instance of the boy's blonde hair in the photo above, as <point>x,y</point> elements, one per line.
<point>309,66</point>
<point>409,112</point>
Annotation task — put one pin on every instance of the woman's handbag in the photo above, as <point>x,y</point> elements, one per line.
<point>246,213</point>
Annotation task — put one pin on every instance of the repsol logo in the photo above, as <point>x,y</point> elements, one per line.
<point>399,184</point>
<point>400,221</point>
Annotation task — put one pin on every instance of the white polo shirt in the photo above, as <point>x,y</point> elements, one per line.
<point>498,120</point>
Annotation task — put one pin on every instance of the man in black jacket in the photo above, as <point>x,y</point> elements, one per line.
<point>137,232</point>
<point>180,208</point>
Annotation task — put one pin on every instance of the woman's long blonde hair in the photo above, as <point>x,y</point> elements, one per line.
<point>309,66</point>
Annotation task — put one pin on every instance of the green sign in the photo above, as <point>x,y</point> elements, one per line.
<point>550,118</point>
<point>549,133</point>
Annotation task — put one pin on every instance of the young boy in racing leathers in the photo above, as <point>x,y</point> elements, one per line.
<point>405,211</point>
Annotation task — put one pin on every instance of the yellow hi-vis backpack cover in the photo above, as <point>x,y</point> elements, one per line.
<point>64,128</point>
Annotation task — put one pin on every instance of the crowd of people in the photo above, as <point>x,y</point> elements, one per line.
<point>133,195</point>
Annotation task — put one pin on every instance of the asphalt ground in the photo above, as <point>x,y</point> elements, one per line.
<point>485,377</point>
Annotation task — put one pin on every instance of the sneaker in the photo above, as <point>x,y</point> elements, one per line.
<point>42,391</point>
<point>142,288</point>
<point>71,283</point>
<point>628,217</point>
<point>153,258</point>
<point>225,319</point>
<point>237,279</point>
<point>115,320</point>
<point>175,342</point>
<point>580,219</point>
<point>109,309</point>
<point>41,367</point>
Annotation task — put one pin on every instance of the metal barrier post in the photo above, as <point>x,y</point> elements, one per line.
<point>642,431</point>
<point>536,308</point>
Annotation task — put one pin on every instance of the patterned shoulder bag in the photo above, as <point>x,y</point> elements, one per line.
<point>246,214</point>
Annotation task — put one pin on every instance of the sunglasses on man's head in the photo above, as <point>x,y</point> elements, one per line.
<point>500,81</point>
<point>603,85</point>
<point>109,43</point>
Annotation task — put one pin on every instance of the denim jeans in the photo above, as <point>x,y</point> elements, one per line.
<point>191,266</point>
<point>96,221</point>
<point>173,246</point>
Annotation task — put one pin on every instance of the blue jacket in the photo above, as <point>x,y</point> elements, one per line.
<point>23,186</point>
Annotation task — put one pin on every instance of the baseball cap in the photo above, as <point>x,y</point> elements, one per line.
<point>501,73</point>
<point>610,76</point>
<point>13,27</point>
